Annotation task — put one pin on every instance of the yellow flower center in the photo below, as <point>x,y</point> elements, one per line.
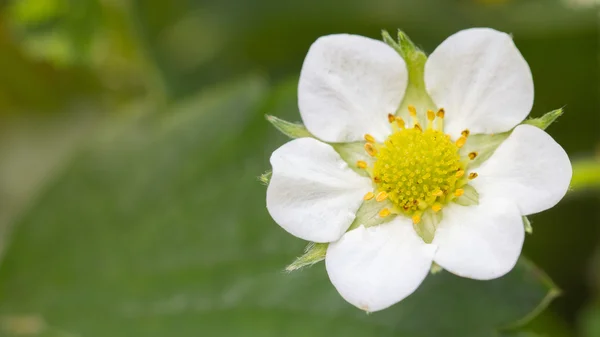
<point>417,168</point>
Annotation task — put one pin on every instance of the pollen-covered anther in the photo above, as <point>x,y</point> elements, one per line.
<point>430,119</point>
<point>416,218</point>
<point>371,150</point>
<point>400,122</point>
<point>465,133</point>
<point>369,196</point>
<point>391,118</point>
<point>440,119</point>
<point>418,127</point>
<point>473,155</point>
<point>438,193</point>
<point>412,111</point>
<point>461,141</point>
<point>473,175</point>
<point>369,138</point>
<point>436,207</point>
<point>384,212</point>
<point>460,173</point>
<point>361,164</point>
<point>441,113</point>
<point>381,196</point>
<point>459,192</point>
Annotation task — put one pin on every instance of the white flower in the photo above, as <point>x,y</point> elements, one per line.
<point>433,206</point>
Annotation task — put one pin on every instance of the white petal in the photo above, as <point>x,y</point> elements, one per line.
<point>348,85</point>
<point>375,267</point>
<point>481,242</point>
<point>313,194</point>
<point>529,168</point>
<point>482,81</point>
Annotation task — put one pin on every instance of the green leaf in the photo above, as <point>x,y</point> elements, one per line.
<point>160,229</point>
<point>586,174</point>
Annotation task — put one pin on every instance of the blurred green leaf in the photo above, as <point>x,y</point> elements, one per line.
<point>590,321</point>
<point>160,229</point>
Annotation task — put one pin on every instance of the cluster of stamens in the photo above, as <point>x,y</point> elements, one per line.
<point>416,168</point>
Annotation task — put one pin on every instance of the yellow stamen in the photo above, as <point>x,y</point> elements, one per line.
<point>430,118</point>
<point>391,118</point>
<point>412,111</point>
<point>473,155</point>
<point>418,127</point>
<point>384,212</point>
<point>371,150</point>
<point>441,112</point>
<point>369,138</point>
<point>440,122</point>
<point>436,207</point>
<point>416,218</point>
<point>381,196</point>
<point>465,133</point>
<point>459,192</point>
<point>438,193</point>
<point>361,164</point>
<point>430,115</point>
<point>377,180</point>
<point>473,175</point>
<point>400,123</point>
<point>369,196</point>
<point>461,141</point>
<point>460,173</point>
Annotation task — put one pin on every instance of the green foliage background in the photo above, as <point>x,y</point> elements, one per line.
<point>132,133</point>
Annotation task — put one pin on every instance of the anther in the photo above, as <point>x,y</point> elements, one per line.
<point>391,118</point>
<point>370,149</point>
<point>361,164</point>
<point>384,212</point>
<point>473,175</point>
<point>381,196</point>
<point>377,180</point>
<point>412,110</point>
<point>430,118</point>
<point>369,196</point>
<point>441,112</point>
<point>472,155</point>
<point>436,207</point>
<point>460,142</point>
<point>416,218</point>
<point>440,122</point>
<point>400,123</point>
<point>430,115</point>
<point>459,192</point>
<point>369,138</point>
<point>438,193</point>
<point>460,173</point>
<point>418,127</point>
<point>465,133</point>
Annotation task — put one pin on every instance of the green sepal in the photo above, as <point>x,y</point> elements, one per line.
<point>470,197</point>
<point>292,130</point>
<point>527,225</point>
<point>265,177</point>
<point>416,92</point>
<point>545,121</point>
<point>435,268</point>
<point>313,253</point>
<point>353,152</point>
<point>427,226</point>
<point>486,144</point>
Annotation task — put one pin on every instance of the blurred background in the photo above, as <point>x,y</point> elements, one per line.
<point>132,133</point>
